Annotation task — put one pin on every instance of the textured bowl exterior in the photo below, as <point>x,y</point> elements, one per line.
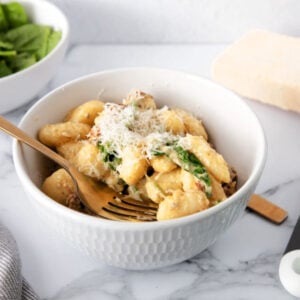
<point>146,245</point>
<point>144,249</point>
<point>19,88</point>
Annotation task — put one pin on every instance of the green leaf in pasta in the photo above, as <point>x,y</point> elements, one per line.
<point>157,152</point>
<point>109,156</point>
<point>189,162</point>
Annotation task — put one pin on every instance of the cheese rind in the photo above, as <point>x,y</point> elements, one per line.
<point>263,66</point>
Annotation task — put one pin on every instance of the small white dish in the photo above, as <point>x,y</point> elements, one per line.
<point>232,126</point>
<point>19,88</point>
<point>289,272</point>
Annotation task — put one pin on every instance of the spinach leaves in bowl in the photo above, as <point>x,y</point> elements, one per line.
<point>22,43</point>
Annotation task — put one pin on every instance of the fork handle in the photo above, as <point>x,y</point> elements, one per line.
<point>22,136</point>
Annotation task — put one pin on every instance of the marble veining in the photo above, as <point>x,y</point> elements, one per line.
<point>203,277</point>
<point>242,264</point>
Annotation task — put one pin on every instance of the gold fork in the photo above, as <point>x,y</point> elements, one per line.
<point>97,197</point>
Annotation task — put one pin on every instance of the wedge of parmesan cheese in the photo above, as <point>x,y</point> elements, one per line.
<point>263,66</point>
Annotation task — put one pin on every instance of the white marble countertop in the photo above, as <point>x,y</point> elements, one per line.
<point>242,264</point>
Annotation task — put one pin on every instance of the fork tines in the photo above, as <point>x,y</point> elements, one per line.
<point>132,210</point>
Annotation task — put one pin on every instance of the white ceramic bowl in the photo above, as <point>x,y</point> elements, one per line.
<point>234,130</point>
<point>19,88</point>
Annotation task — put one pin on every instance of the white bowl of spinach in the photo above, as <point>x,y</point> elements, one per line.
<point>33,41</point>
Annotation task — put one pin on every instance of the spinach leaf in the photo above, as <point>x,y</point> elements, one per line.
<point>189,162</point>
<point>157,152</point>
<point>3,21</point>
<point>28,37</point>
<point>8,53</point>
<point>109,156</point>
<point>21,61</point>
<point>53,40</point>
<point>4,69</point>
<point>5,45</point>
<point>15,14</point>
<point>42,42</point>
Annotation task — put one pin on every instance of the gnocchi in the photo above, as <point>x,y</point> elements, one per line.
<point>149,153</point>
<point>85,113</point>
<point>59,186</point>
<point>54,135</point>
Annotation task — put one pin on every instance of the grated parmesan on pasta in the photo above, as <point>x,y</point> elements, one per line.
<point>121,126</point>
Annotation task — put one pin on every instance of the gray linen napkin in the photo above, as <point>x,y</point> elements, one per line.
<point>12,285</point>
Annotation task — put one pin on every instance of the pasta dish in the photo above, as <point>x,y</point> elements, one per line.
<point>148,153</point>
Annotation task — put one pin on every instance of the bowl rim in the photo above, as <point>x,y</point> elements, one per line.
<point>63,40</point>
<point>49,203</point>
